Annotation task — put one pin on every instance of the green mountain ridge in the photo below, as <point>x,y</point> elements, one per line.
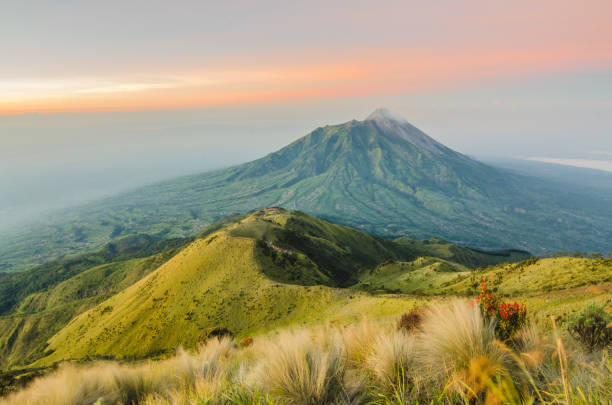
<point>381,175</point>
<point>247,273</point>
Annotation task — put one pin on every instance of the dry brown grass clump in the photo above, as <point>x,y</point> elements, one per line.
<point>300,371</point>
<point>392,360</point>
<point>458,347</point>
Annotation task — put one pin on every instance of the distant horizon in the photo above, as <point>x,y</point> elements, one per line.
<point>38,210</point>
<point>104,96</point>
<point>77,185</point>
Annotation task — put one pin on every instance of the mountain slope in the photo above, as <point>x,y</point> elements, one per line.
<point>428,275</point>
<point>420,276</point>
<point>381,175</point>
<point>25,329</point>
<point>255,274</point>
<point>250,277</point>
<point>270,257</point>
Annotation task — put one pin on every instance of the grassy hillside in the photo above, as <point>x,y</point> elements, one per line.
<point>538,276</point>
<point>421,276</point>
<point>428,275</point>
<point>15,287</point>
<point>339,252</point>
<point>437,247</point>
<point>214,282</point>
<point>267,270</point>
<point>550,287</point>
<point>273,268</point>
<point>287,248</point>
<point>37,303</point>
<point>41,314</point>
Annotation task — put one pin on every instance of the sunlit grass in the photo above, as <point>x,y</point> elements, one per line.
<point>452,357</point>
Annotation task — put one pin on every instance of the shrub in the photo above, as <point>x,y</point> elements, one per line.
<point>410,322</point>
<point>531,347</point>
<point>214,332</point>
<point>509,318</point>
<point>246,342</point>
<point>591,327</point>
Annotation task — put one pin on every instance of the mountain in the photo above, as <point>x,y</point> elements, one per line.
<point>381,175</point>
<point>140,296</point>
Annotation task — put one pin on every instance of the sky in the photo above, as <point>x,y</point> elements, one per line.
<point>98,97</point>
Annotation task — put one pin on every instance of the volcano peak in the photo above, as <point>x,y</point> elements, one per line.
<point>384,114</point>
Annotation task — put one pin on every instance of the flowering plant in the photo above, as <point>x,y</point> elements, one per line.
<point>247,341</point>
<point>509,317</point>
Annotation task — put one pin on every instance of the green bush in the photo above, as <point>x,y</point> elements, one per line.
<point>591,327</point>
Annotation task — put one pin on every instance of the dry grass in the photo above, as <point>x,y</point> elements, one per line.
<point>454,336</point>
<point>452,358</point>
<point>299,371</point>
<point>392,360</point>
<point>113,383</point>
<point>358,339</point>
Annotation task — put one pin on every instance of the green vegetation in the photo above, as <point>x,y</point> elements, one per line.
<point>267,270</point>
<point>39,315</point>
<point>15,287</point>
<point>558,286</point>
<point>36,304</point>
<point>442,249</point>
<point>424,275</point>
<point>255,273</point>
<point>274,248</point>
<point>254,278</point>
<point>379,176</point>
<point>592,327</point>
<point>533,277</point>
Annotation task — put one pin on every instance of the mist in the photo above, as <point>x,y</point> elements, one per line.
<point>55,161</point>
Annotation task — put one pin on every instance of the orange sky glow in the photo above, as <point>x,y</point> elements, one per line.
<point>379,73</point>
<point>481,43</point>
